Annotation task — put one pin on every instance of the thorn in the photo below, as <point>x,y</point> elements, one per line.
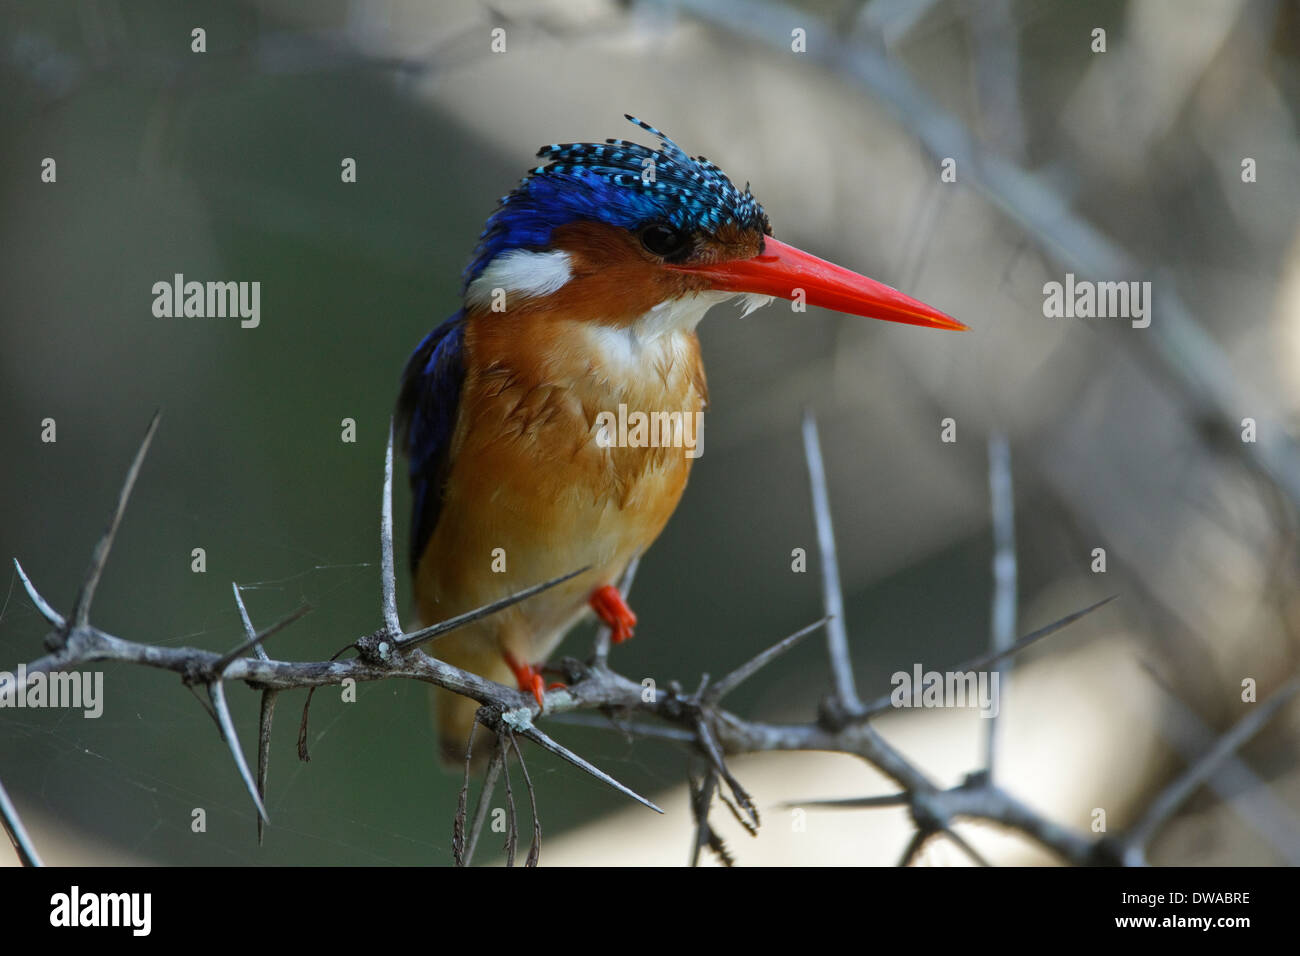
<point>99,557</point>
<point>853,803</point>
<point>47,612</point>
<point>387,572</point>
<point>626,728</point>
<point>227,727</point>
<point>243,616</point>
<point>255,642</point>
<point>539,738</point>
<point>760,660</point>
<point>432,631</point>
<point>984,660</point>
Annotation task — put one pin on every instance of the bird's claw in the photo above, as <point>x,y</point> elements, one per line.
<point>610,607</point>
<point>530,680</point>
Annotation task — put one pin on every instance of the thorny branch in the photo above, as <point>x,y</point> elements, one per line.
<point>696,718</point>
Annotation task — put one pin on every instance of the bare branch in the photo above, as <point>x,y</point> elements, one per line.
<point>484,804</point>
<point>462,802</point>
<point>535,848</point>
<point>512,826</point>
<point>697,719</point>
<point>837,638</point>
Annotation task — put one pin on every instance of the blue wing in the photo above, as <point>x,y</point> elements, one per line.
<point>426,421</point>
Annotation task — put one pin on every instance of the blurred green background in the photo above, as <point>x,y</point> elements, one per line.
<point>226,165</point>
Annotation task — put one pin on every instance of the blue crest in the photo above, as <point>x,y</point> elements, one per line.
<point>621,183</point>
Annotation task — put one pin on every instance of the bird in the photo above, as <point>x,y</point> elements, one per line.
<point>580,304</point>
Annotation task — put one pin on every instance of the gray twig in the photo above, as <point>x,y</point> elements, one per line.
<point>837,638</point>
<point>484,805</point>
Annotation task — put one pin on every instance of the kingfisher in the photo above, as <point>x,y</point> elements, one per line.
<point>580,303</point>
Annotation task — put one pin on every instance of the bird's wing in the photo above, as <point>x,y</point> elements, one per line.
<point>426,421</point>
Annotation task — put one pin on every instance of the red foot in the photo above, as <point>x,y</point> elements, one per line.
<point>529,678</point>
<point>613,611</point>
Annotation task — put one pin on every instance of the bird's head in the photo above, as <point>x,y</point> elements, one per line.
<point>619,233</point>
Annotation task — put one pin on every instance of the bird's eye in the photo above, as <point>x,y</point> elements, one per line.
<point>663,240</point>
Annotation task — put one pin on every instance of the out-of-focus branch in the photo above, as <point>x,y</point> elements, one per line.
<point>1003,628</point>
<point>1175,344</point>
<point>1133,844</point>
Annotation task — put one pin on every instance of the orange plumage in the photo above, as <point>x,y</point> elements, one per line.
<point>581,300</point>
<point>528,476</point>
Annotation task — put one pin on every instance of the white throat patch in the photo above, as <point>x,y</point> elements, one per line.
<point>658,332</point>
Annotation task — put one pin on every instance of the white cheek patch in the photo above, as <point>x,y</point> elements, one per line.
<point>519,273</point>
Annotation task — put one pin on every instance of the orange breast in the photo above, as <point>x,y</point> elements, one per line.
<point>532,494</point>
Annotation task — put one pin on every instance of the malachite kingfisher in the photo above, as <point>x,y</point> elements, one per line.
<point>580,304</point>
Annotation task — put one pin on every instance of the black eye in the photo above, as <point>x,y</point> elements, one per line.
<point>663,240</point>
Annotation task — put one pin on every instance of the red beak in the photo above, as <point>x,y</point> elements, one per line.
<point>782,270</point>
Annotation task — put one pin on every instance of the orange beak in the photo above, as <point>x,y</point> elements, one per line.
<point>785,271</point>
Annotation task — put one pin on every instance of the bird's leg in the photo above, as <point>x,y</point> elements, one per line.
<point>529,677</point>
<point>610,607</point>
